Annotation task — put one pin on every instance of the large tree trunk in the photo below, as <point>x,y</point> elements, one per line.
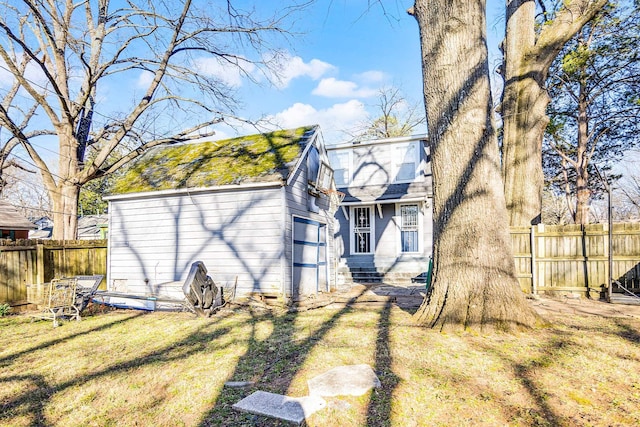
<point>524,117</point>
<point>65,211</point>
<point>474,283</point>
<point>527,62</point>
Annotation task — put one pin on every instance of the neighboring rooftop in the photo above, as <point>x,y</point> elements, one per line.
<point>92,227</point>
<point>10,218</point>
<point>263,157</point>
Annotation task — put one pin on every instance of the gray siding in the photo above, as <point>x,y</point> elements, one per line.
<point>236,234</point>
<point>385,173</point>
<point>387,256</point>
<point>297,203</point>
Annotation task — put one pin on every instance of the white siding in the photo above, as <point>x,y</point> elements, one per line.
<point>236,234</point>
<point>371,165</point>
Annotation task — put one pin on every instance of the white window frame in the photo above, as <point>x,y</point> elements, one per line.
<point>352,230</point>
<point>348,166</point>
<point>398,222</point>
<point>398,161</point>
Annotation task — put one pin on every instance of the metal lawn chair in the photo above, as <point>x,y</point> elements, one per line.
<point>86,287</point>
<point>56,300</point>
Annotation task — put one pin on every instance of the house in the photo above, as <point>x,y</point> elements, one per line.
<point>252,209</point>
<point>90,227</point>
<point>385,220</point>
<point>93,227</point>
<point>13,225</point>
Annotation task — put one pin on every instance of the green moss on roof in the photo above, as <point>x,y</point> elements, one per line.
<point>254,158</point>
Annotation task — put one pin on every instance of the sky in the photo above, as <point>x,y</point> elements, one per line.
<point>348,51</point>
<point>342,54</point>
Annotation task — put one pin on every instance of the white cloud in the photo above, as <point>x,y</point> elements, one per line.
<point>372,76</point>
<point>333,88</point>
<point>333,121</point>
<point>32,73</point>
<point>144,79</point>
<point>6,78</point>
<point>230,74</point>
<point>336,121</point>
<point>291,67</point>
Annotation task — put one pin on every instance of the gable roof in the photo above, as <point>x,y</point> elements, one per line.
<point>265,157</point>
<point>11,219</point>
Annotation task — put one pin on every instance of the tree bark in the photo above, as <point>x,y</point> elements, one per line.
<point>65,211</point>
<point>583,193</point>
<point>525,99</point>
<point>524,117</point>
<point>474,283</point>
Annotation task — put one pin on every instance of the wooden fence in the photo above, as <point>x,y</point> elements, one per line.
<point>29,262</point>
<point>549,259</point>
<point>575,259</point>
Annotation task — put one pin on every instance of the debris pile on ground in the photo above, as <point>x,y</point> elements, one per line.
<point>350,380</point>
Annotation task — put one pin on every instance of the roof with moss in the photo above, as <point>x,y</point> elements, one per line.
<point>265,157</point>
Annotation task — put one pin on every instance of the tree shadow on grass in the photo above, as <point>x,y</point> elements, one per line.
<point>31,401</point>
<point>271,363</point>
<point>627,332</point>
<point>527,372</point>
<point>10,358</point>
<point>379,410</point>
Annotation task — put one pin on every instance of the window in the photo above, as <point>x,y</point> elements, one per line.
<point>409,228</point>
<point>362,230</point>
<point>406,161</point>
<point>340,162</point>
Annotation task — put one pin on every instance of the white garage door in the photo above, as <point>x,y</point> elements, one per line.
<point>309,257</point>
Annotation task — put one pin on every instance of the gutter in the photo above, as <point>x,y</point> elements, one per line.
<point>194,190</point>
<point>385,202</point>
<point>418,137</point>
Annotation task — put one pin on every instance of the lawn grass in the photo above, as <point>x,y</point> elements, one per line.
<point>129,368</point>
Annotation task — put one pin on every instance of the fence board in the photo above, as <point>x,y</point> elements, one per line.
<point>27,262</point>
<point>573,259</point>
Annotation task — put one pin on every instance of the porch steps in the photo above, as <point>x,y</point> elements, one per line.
<point>370,275</point>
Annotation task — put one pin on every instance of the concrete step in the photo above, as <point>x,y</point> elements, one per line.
<point>617,298</point>
<point>372,276</point>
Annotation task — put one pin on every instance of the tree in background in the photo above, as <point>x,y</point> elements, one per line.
<point>398,117</point>
<point>554,208</point>
<point>24,190</point>
<point>628,195</point>
<point>474,281</point>
<point>75,67</point>
<point>530,47</point>
<point>594,112</point>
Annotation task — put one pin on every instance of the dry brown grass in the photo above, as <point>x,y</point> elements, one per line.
<point>127,368</point>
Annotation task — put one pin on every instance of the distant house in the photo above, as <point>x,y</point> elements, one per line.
<point>250,208</point>
<point>90,227</point>
<point>93,227</point>
<point>13,225</point>
<point>385,220</point>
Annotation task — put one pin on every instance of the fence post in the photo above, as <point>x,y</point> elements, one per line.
<point>40,263</point>
<point>534,275</point>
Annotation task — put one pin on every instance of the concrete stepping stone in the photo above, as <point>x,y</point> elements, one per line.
<point>349,380</point>
<point>292,409</point>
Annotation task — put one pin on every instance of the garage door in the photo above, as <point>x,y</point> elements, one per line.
<point>309,257</point>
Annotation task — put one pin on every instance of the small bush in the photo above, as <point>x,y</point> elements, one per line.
<point>4,309</point>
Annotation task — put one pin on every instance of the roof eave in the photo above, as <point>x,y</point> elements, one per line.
<point>194,190</point>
